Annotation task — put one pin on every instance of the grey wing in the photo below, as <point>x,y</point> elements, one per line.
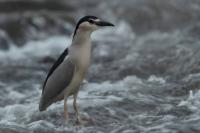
<point>56,83</point>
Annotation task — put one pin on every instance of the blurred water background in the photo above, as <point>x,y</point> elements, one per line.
<point>145,72</point>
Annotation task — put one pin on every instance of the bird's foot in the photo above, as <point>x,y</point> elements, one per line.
<point>78,122</point>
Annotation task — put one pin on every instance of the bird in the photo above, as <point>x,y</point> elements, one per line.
<point>67,73</point>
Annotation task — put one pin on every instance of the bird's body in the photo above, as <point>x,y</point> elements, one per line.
<point>68,72</point>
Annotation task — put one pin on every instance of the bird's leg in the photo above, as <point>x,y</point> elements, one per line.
<point>65,108</point>
<point>78,120</point>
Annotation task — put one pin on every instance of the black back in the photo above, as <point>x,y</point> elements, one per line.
<point>83,19</point>
<point>55,65</point>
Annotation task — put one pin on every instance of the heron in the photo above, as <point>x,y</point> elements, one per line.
<point>68,71</point>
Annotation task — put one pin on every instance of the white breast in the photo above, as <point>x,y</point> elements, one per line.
<point>80,56</point>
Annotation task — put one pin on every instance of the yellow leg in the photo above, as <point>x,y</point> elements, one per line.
<point>65,109</point>
<point>78,120</point>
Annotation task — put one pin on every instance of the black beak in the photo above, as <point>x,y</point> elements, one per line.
<point>104,23</point>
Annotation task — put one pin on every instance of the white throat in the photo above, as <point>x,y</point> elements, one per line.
<point>82,36</point>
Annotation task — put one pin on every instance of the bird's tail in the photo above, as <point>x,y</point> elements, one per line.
<point>42,106</point>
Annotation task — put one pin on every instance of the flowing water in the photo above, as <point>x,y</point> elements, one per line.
<point>144,76</point>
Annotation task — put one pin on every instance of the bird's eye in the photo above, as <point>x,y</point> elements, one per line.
<point>91,21</point>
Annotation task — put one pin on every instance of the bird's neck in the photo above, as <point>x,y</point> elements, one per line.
<point>82,37</point>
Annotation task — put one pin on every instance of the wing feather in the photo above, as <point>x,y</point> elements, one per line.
<point>58,79</point>
<point>55,65</point>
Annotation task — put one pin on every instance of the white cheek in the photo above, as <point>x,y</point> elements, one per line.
<point>85,24</point>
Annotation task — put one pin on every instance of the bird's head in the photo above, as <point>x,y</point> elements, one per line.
<point>90,23</point>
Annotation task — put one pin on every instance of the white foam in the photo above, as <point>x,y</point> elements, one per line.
<point>98,94</point>
<point>91,94</point>
<point>39,48</point>
<point>192,102</point>
<point>159,80</point>
<point>15,95</point>
<point>56,44</point>
<point>40,123</point>
<point>191,76</point>
<point>12,113</point>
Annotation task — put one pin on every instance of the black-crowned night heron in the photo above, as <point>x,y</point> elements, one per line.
<point>67,73</point>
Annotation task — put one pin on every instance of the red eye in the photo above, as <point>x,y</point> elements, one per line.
<point>91,21</point>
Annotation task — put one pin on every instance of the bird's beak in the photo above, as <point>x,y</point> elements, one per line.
<point>104,23</point>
